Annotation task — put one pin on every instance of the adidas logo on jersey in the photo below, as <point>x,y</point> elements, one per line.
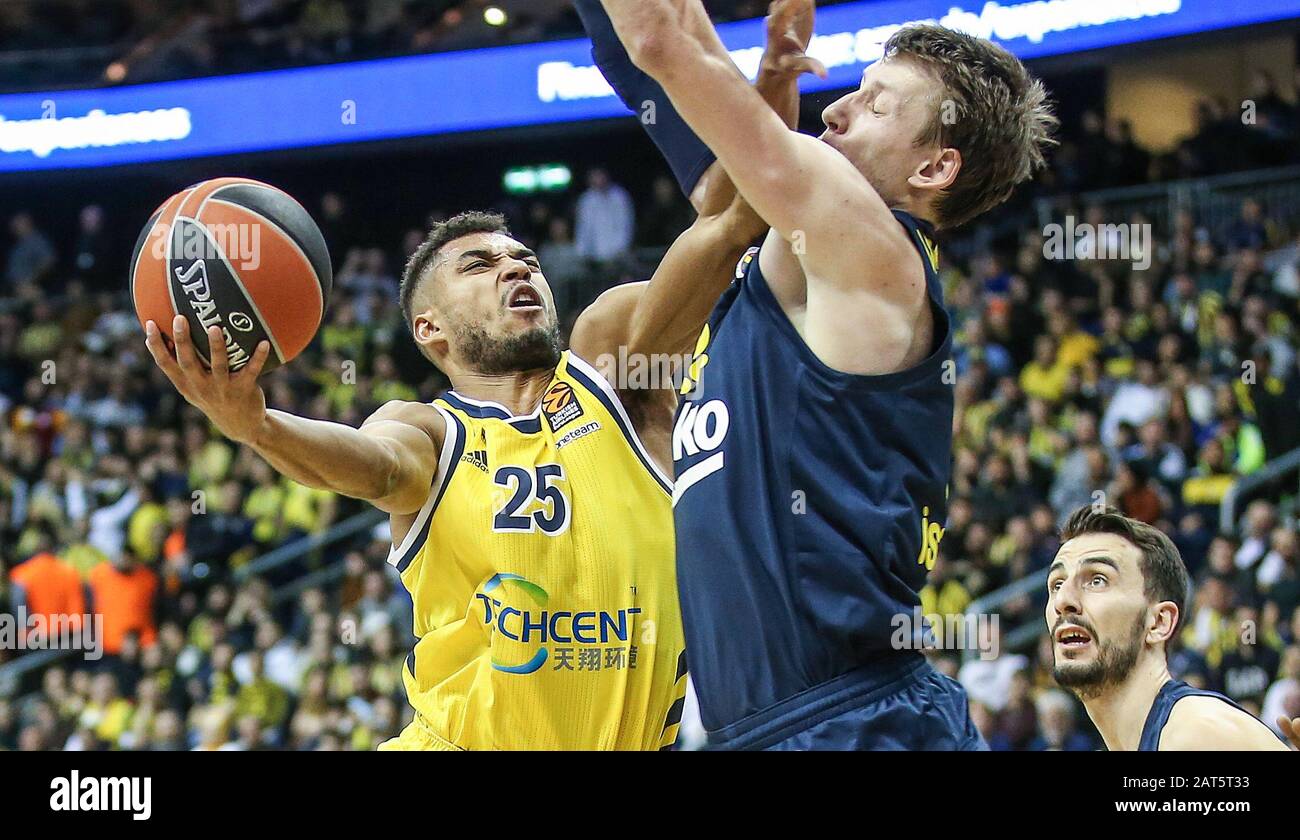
<point>477,458</point>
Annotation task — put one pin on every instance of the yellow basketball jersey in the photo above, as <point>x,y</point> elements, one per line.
<point>542,572</point>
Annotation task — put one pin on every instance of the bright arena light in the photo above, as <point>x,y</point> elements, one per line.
<point>494,16</point>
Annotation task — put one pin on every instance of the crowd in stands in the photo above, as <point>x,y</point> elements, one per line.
<point>1156,387</point>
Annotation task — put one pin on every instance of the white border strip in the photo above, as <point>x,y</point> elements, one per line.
<point>444,468</point>
<point>489,404</point>
<point>695,473</point>
<point>618,404</point>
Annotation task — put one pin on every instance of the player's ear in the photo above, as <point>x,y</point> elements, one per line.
<point>1162,621</point>
<point>429,330</point>
<point>938,171</point>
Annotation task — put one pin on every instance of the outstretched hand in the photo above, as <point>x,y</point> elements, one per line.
<point>789,33</point>
<point>234,402</point>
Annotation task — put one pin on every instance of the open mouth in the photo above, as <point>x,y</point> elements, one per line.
<point>1072,636</point>
<point>524,298</point>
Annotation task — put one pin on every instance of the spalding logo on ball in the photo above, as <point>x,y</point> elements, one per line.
<point>239,255</point>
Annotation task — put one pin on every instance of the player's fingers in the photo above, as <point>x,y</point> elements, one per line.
<point>799,64</point>
<point>220,362</point>
<point>254,367</point>
<point>162,357</point>
<point>1290,730</point>
<point>779,16</point>
<point>185,355</point>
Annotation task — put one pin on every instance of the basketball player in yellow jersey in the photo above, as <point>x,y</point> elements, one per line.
<point>531,517</point>
<point>530,510</point>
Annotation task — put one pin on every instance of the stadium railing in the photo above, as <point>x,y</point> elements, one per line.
<point>1019,638</point>
<point>14,674</point>
<point>1214,201</point>
<point>304,545</point>
<point>1267,480</point>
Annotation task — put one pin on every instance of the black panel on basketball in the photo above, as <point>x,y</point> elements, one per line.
<point>291,218</point>
<point>207,293</point>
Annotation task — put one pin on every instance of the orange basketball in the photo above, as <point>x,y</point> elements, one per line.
<point>236,254</point>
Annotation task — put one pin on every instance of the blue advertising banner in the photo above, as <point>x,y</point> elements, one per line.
<point>523,85</point>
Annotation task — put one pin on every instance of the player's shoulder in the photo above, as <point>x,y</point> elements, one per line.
<point>1203,722</point>
<point>421,415</point>
<point>606,322</point>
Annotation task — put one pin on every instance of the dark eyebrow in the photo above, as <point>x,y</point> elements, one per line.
<point>1101,561</point>
<point>520,253</point>
<point>478,254</point>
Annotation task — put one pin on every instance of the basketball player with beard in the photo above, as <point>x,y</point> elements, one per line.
<point>529,505</point>
<point>1116,594</point>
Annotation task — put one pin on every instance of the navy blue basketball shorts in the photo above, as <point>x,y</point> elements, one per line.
<point>906,706</point>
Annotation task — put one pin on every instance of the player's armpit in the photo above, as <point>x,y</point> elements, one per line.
<point>1207,723</point>
<point>412,433</point>
<point>604,326</point>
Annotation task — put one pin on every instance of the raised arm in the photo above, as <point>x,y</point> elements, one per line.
<point>665,315</point>
<point>389,461</point>
<point>802,187</point>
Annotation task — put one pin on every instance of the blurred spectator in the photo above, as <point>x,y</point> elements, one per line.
<point>1135,402</point>
<point>1057,724</point>
<point>91,253</point>
<point>1284,694</point>
<point>605,219</point>
<point>31,255</point>
<point>559,254</point>
<point>665,216</point>
<point>49,588</point>
<point>123,591</point>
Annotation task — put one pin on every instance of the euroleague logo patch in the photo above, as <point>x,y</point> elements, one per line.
<point>560,406</point>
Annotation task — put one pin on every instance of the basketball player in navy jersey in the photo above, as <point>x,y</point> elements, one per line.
<point>812,450</point>
<point>1116,595</point>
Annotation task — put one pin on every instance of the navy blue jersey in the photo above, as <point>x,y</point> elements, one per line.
<point>809,503</point>
<point>1170,693</point>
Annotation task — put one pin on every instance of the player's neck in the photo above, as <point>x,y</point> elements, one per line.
<point>519,392</point>
<point>918,207</point>
<point>1121,712</point>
